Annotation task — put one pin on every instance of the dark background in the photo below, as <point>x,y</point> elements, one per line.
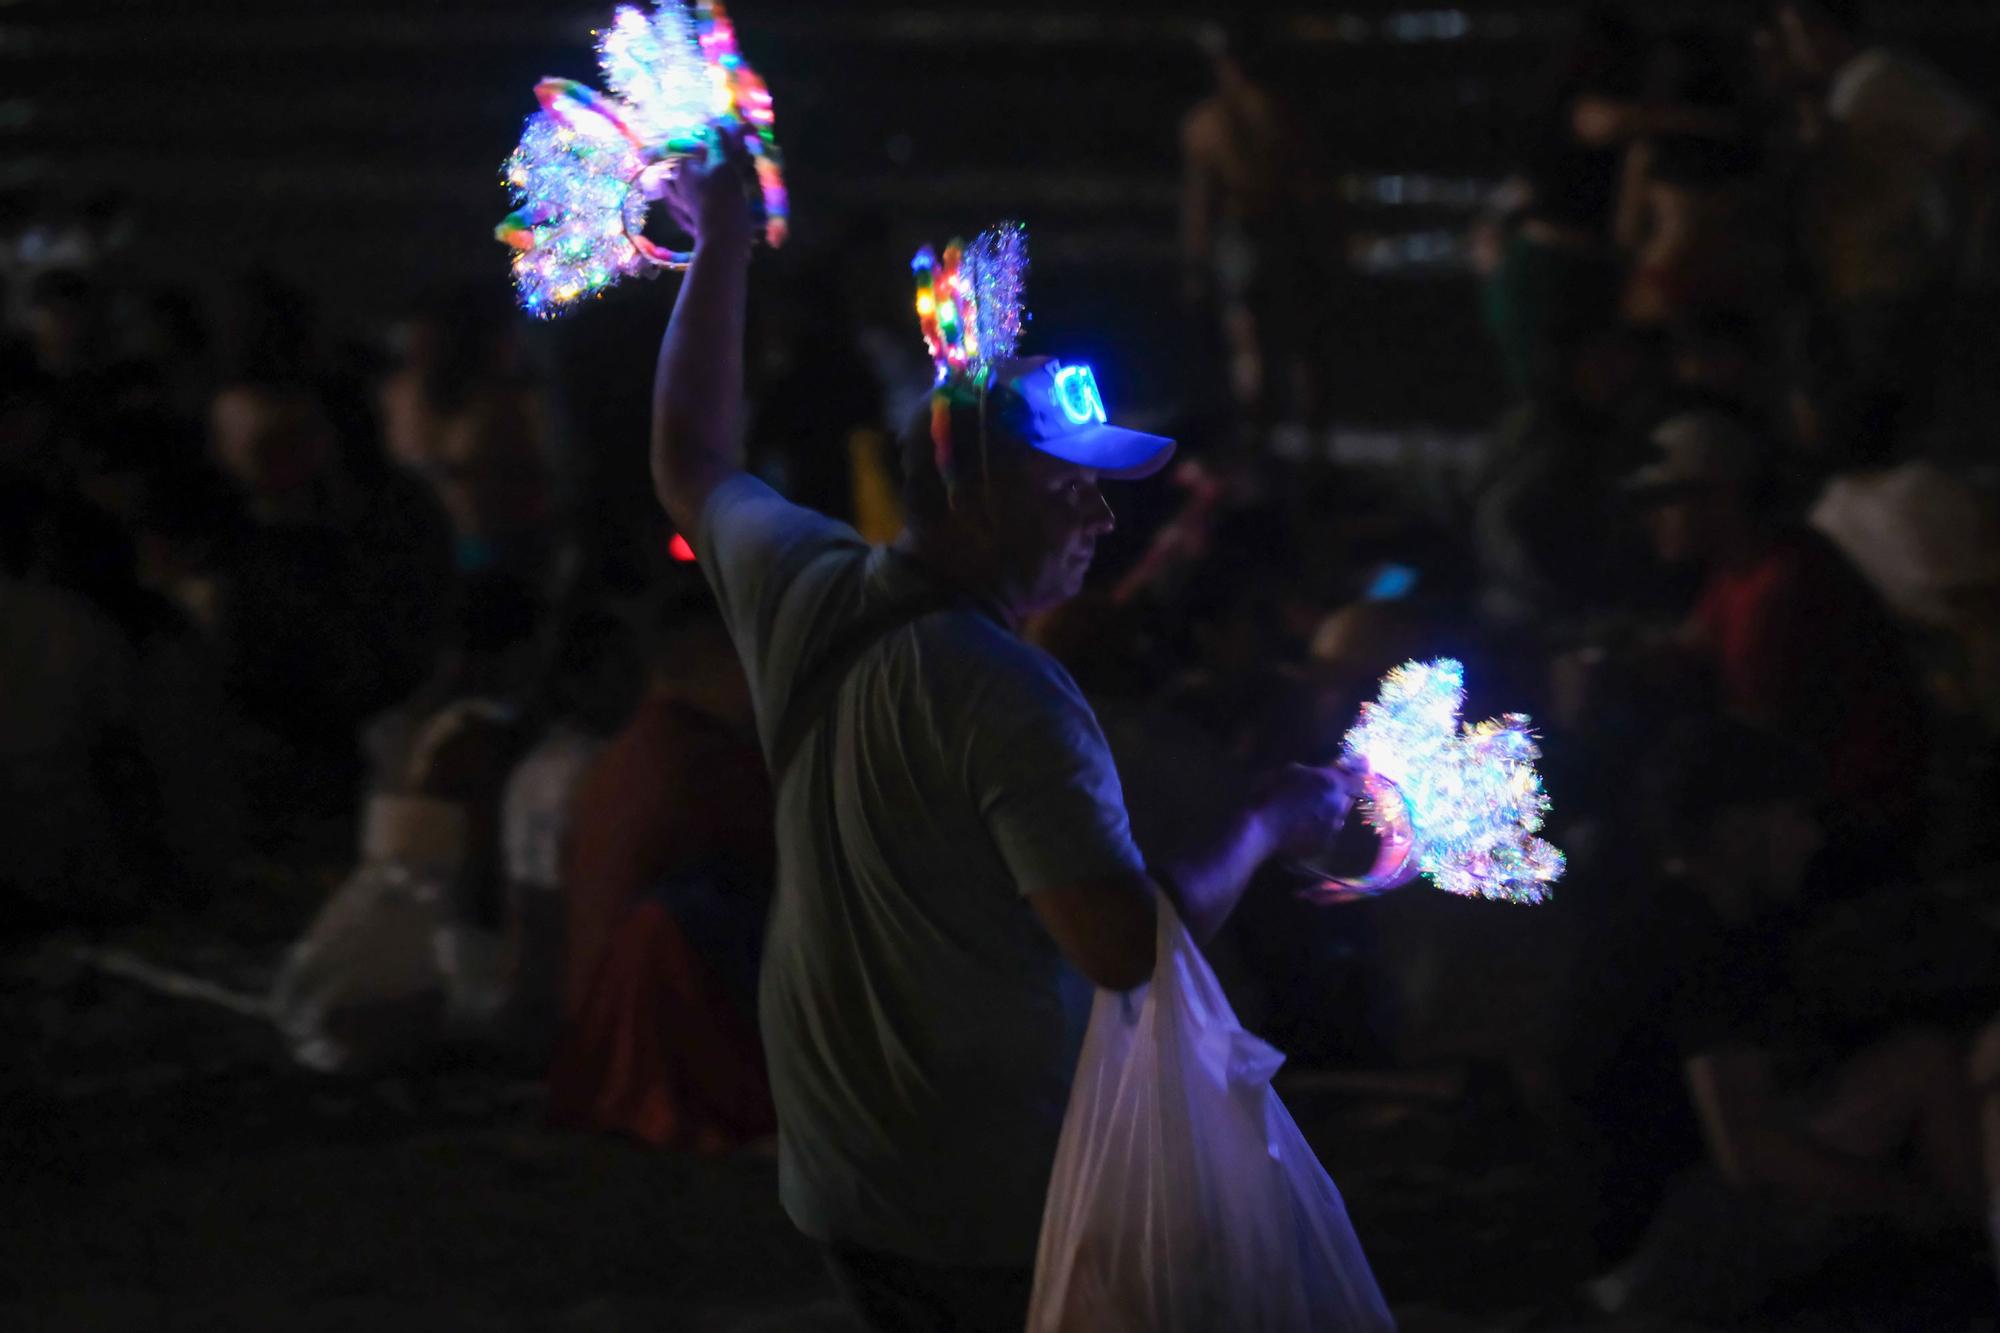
<point>356,147</point>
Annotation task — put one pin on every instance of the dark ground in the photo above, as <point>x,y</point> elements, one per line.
<point>166,1168</point>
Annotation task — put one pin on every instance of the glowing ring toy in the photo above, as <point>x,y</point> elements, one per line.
<point>589,164</point>
<point>1459,803</point>
<point>970,303</point>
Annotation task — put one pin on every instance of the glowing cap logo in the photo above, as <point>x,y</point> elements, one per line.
<point>1076,394</point>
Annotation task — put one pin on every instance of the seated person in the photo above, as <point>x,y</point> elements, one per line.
<point>1985,1072</point>
<point>409,951</point>
<point>1789,634</point>
<point>67,677</point>
<point>665,880</point>
<point>1819,1132</point>
<point>494,654</point>
<point>445,756</point>
<point>590,690</point>
<point>1542,533</point>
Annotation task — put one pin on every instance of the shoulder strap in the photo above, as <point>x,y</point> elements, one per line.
<point>811,701</point>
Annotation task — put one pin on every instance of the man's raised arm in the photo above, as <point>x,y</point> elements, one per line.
<point>698,384</point>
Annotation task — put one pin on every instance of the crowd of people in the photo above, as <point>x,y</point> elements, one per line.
<point>1732,543</point>
<point>1740,511</point>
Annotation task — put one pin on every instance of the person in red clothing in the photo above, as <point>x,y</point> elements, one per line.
<point>665,881</point>
<point>1793,638</point>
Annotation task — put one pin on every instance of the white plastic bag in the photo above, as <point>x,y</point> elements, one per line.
<point>1184,1199</point>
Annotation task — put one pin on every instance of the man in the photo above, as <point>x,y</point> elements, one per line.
<point>1541,532</point>
<point>1824,1117</point>
<point>665,883</point>
<point>1250,243</point>
<point>1899,206</point>
<point>952,840</point>
<point>1984,1070</point>
<point>1790,634</point>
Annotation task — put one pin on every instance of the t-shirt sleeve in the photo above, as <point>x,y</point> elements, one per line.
<point>1046,783</point>
<point>751,546</point>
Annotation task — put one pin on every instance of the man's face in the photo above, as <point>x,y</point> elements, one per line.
<point>1047,516</point>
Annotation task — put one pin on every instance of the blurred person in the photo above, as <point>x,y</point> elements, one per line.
<point>1907,186</point>
<point>336,604</point>
<point>1186,537</point>
<point>951,834</point>
<point>1354,646</point>
<point>168,333</point>
<point>1552,257</point>
<point>459,759</point>
<point>1553,245</point>
<point>29,415</point>
<point>1252,240</point>
<point>1589,102</point>
<point>461,412</point>
<point>293,629</point>
<point>64,324</point>
<point>110,454</point>
<point>1790,634</point>
<point>1926,538</point>
<point>588,692</point>
<point>275,441</point>
<point>493,654</point>
<point>1544,527</point>
<point>1720,354</point>
<point>187,523</point>
<point>174,526</point>
<point>400,540</point>
<point>427,941</point>
<point>665,885</point>
<point>69,678</point>
<point>267,331</point>
<point>1897,208</point>
<point>1984,1071</point>
<point>1692,213</point>
<point>1236,609</point>
<point>157,759</point>
<point>1818,1128</point>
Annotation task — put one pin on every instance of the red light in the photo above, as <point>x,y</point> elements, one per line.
<point>679,549</point>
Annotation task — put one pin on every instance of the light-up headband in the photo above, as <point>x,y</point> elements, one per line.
<point>969,305</point>
<point>1459,803</point>
<point>588,165</point>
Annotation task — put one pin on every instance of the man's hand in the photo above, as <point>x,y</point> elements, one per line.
<point>1303,809</point>
<point>1294,812</point>
<point>711,200</point>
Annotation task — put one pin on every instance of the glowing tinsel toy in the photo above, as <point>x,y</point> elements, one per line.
<point>589,165</point>
<point>969,304</point>
<point>1461,803</point>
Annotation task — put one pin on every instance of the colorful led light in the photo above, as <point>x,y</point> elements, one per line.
<point>969,303</point>
<point>1459,803</point>
<point>588,164</point>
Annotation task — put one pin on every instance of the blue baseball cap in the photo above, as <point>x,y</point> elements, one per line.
<point>1057,409</point>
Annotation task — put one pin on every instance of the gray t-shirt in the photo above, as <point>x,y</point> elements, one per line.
<point>920,1024</point>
